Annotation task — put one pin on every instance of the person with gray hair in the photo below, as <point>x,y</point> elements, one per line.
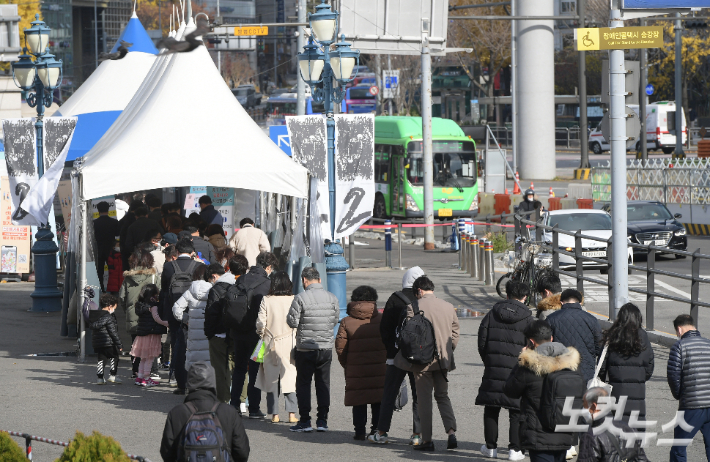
<point>605,446</point>
<point>314,313</point>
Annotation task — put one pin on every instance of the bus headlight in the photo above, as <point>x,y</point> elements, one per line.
<point>474,205</point>
<point>411,205</point>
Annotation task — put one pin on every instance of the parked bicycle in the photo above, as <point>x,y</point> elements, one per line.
<point>530,267</point>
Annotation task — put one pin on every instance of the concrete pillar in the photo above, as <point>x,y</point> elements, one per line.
<point>536,91</point>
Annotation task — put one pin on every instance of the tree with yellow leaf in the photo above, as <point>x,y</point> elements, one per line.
<point>694,57</point>
<point>27,11</point>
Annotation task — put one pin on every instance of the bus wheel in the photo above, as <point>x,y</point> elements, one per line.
<point>668,150</point>
<point>380,210</point>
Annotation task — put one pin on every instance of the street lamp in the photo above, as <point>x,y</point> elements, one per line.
<point>40,78</point>
<point>320,68</point>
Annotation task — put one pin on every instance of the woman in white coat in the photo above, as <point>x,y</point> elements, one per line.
<point>277,374</point>
<point>190,310</point>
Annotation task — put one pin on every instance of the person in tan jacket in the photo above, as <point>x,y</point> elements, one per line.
<point>277,374</point>
<point>249,241</point>
<point>433,376</point>
<point>362,354</point>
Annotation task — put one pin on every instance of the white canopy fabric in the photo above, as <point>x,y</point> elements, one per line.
<point>185,127</point>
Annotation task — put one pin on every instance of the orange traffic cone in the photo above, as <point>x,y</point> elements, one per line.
<point>493,191</point>
<point>516,188</point>
<point>552,193</point>
<point>532,186</point>
<point>566,195</point>
<point>506,191</point>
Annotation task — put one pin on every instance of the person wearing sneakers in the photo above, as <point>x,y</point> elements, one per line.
<point>500,341</point>
<point>393,314</point>
<point>105,339</point>
<point>147,346</point>
<point>314,313</point>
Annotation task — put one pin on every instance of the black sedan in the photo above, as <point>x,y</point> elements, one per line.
<point>650,222</point>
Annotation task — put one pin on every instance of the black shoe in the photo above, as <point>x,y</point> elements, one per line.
<point>359,437</point>
<point>257,415</point>
<point>452,444</point>
<point>179,391</point>
<point>428,446</point>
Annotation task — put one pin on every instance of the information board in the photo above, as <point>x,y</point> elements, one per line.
<point>15,241</point>
<point>619,38</point>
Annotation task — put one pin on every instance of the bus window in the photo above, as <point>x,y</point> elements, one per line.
<point>382,163</point>
<point>454,163</point>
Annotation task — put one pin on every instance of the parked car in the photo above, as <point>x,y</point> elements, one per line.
<point>650,222</point>
<point>247,96</point>
<point>591,222</point>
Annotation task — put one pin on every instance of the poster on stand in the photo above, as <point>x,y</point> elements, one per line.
<point>354,171</point>
<point>111,200</point>
<point>64,195</point>
<point>223,202</point>
<point>309,147</point>
<point>15,241</point>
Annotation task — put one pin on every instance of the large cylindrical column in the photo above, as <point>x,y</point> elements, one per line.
<point>536,91</point>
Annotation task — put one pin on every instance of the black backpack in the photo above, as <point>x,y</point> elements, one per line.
<point>623,454</point>
<point>556,387</point>
<point>203,437</point>
<point>416,339</point>
<point>180,281</point>
<point>236,314</point>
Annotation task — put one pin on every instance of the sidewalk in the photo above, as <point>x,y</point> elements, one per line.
<point>54,396</point>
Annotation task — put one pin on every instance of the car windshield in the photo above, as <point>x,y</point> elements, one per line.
<point>241,92</point>
<point>583,221</point>
<point>647,212</point>
<point>454,164</point>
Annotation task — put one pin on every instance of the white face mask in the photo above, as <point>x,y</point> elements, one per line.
<point>587,416</point>
<point>530,198</point>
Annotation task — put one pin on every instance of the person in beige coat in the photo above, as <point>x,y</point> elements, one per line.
<point>433,376</point>
<point>249,241</point>
<point>277,374</point>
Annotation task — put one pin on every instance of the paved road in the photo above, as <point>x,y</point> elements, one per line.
<point>54,396</point>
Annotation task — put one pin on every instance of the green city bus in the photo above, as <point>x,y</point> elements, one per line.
<point>399,169</point>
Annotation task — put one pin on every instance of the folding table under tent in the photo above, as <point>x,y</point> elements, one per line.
<point>182,127</point>
<point>100,100</point>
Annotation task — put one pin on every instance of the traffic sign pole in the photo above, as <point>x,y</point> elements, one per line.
<point>678,88</point>
<point>642,101</point>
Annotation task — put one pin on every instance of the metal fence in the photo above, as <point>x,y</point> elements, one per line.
<point>565,137</point>
<point>671,181</point>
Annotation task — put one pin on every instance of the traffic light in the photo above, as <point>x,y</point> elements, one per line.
<point>696,24</point>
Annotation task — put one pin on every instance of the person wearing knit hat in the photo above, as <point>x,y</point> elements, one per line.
<point>392,316</point>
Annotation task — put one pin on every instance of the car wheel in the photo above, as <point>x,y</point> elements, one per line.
<point>380,210</point>
<point>596,148</point>
<point>667,150</point>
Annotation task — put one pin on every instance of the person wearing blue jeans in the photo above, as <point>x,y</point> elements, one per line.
<point>688,365</point>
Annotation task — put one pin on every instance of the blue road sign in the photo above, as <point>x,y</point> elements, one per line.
<point>650,89</point>
<point>279,135</point>
<point>390,81</point>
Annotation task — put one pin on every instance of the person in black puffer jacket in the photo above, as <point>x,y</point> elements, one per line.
<point>688,372</point>
<point>629,360</point>
<point>104,337</point>
<point>605,446</point>
<point>500,341</point>
<point>526,382</point>
<point>572,326</point>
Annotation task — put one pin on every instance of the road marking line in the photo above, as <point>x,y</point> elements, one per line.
<point>672,289</point>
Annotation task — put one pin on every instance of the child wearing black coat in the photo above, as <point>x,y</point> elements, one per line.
<point>105,339</point>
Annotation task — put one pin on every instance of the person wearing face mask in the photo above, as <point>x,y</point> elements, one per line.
<point>105,338</point>
<point>596,446</point>
<point>529,204</point>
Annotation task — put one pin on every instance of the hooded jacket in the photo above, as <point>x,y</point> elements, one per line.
<point>500,340</point>
<point>202,393</point>
<point>548,305</point>
<point>213,309</point>
<point>194,301</point>
<point>362,354</point>
<point>133,282</point>
<point>250,241</point>
<point>688,370</point>
<point>526,382</point>
<point>572,326</point>
<point>396,310</point>
<point>315,312</point>
<point>105,331</point>
<point>600,448</point>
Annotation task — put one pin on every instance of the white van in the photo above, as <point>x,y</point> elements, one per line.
<point>660,122</point>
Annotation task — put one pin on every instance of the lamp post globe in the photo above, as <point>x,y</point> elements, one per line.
<point>323,23</point>
<point>39,78</point>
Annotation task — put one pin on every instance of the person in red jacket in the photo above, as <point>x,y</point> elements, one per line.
<point>115,270</point>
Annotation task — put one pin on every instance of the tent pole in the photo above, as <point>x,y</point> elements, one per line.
<point>82,280</point>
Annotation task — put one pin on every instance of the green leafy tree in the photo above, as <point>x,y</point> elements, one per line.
<point>9,450</point>
<point>93,448</point>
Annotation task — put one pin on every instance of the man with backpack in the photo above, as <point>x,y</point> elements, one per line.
<point>203,428</point>
<point>314,312</point>
<point>392,316</point>
<point>427,342</point>
<point>241,307</point>
<point>546,374</point>
<point>175,280</point>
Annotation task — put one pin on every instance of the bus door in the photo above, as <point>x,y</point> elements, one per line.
<point>399,176</point>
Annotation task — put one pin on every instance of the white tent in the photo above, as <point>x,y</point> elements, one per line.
<point>184,127</point>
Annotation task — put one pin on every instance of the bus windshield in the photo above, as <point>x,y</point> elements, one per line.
<point>454,164</point>
<point>280,109</point>
<point>360,93</point>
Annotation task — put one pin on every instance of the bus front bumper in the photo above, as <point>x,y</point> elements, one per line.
<point>454,214</point>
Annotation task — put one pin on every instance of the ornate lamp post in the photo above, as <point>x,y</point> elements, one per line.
<point>320,67</point>
<point>40,78</point>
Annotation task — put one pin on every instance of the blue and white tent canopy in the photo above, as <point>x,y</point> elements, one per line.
<point>106,93</point>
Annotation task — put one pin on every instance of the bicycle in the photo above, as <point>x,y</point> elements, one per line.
<point>530,268</point>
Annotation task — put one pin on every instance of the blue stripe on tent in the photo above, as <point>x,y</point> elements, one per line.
<point>135,33</point>
<point>89,130</point>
